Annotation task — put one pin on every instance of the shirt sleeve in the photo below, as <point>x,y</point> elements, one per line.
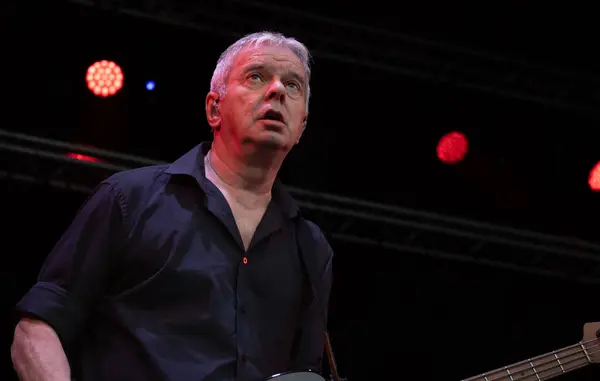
<point>76,271</point>
<point>310,337</point>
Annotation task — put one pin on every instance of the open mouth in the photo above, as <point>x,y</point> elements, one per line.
<point>273,115</point>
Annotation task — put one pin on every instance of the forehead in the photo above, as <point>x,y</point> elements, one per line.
<point>278,58</point>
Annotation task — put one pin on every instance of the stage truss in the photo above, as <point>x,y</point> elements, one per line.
<point>371,48</point>
<point>36,160</point>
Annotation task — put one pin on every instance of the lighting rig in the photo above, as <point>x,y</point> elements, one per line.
<point>42,161</point>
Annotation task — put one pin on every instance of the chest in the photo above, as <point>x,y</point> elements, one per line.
<point>192,262</point>
<point>247,222</point>
<point>247,215</point>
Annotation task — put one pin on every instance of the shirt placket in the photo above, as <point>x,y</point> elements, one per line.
<point>243,327</point>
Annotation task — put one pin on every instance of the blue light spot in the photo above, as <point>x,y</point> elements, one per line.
<point>150,85</point>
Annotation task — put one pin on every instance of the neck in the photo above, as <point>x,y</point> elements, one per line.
<point>244,170</point>
<point>543,367</point>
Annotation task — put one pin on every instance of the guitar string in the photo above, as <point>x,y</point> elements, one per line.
<point>528,361</point>
<point>536,373</point>
<point>534,368</point>
<point>534,376</point>
<point>546,362</point>
<point>555,374</point>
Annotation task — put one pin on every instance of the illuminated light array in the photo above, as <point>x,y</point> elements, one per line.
<point>104,78</point>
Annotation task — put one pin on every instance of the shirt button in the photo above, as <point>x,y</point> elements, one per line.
<point>243,310</point>
<point>245,260</point>
<point>244,358</point>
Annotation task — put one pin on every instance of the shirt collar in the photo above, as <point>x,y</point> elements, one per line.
<point>192,164</point>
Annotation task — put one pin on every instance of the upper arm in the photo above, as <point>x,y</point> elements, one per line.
<point>76,271</point>
<point>322,253</point>
<point>31,327</point>
<point>310,337</point>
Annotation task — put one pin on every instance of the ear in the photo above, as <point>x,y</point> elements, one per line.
<point>213,115</point>
<point>302,128</point>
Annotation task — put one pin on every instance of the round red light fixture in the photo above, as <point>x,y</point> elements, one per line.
<point>452,148</point>
<point>104,78</point>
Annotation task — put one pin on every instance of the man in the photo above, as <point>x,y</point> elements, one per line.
<point>194,270</point>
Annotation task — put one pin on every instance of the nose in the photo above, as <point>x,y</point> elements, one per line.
<point>276,91</point>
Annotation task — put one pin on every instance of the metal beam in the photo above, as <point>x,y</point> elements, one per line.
<point>38,160</point>
<point>376,49</point>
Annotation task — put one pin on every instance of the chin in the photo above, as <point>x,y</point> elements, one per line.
<point>272,142</point>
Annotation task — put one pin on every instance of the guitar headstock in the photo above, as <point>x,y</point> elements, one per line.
<point>591,341</point>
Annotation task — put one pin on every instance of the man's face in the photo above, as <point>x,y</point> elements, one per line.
<point>265,100</point>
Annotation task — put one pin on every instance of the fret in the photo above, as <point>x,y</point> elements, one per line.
<point>518,372</point>
<point>559,364</point>
<point>587,355</point>
<point>572,358</point>
<point>534,371</point>
<point>524,371</point>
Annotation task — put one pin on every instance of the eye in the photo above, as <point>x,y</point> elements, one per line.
<point>255,77</point>
<point>293,86</point>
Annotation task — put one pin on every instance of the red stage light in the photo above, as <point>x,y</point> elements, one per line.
<point>452,148</point>
<point>594,179</point>
<point>104,78</point>
<point>78,156</point>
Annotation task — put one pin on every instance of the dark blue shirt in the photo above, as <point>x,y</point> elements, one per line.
<point>151,282</point>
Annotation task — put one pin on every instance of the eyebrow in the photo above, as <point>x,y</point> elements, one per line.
<point>259,67</point>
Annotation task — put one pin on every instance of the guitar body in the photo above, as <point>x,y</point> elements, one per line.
<point>296,376</point>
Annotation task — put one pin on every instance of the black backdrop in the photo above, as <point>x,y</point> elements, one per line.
<point>371,135</point>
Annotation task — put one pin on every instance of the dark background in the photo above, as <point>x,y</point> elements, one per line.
<point>372,135</point>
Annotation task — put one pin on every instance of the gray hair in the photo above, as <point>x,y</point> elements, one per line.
<point>218,83</point>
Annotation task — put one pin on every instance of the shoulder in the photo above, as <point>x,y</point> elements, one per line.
<point>311,234</point>
<point>135,183</point>
<point>138,177</point>
<point>131,189</point>
<point>313,229</point>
